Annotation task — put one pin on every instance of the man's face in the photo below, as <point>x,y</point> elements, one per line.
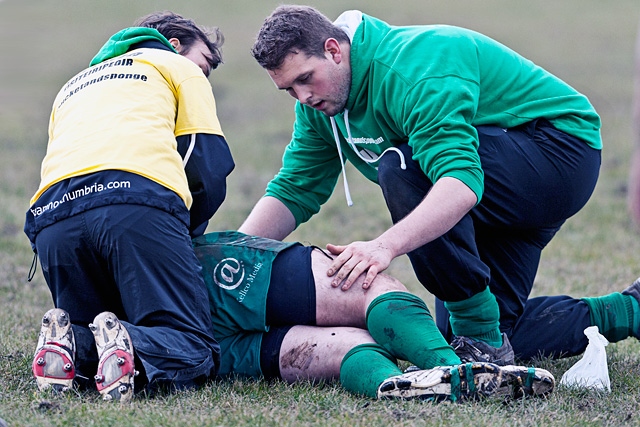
<point>199,53</point>
<point>321,83</point>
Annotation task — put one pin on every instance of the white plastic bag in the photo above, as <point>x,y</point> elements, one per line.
<point>591,371</point>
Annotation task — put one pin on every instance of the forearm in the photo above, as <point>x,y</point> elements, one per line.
<point>633,197</point>
<point>635,108</point>
<point>633,194</point>
<point>269,218</point>
<point>443,207</point>
<point>207,162</point>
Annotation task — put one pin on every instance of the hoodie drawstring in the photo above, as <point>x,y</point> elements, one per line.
<point>336,136</point>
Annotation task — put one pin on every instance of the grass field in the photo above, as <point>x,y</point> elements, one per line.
<point>588,43</point>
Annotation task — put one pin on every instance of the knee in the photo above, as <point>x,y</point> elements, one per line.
<point>411,183</point>
<point>385,283</point>
<point>390,171</point>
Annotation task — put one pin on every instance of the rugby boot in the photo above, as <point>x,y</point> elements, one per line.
<point>54,359</point>
<point>116,370</point>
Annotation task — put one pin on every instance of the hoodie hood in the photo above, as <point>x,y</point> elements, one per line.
<point>365,41</point>
<point>349,22</point>
<point>122,41</point>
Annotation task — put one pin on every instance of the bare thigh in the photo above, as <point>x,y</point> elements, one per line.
<point>315,353</point>
<point>335,307</point>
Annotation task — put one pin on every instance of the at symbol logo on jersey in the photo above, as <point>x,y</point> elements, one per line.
<point>228,273</point>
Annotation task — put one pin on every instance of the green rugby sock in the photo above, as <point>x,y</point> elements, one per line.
<point>401,323</point>
<point>365,367</point>
<point>616,315</point>
<point>477,317</point>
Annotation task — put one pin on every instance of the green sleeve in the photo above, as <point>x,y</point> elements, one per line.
<point>437,116</point>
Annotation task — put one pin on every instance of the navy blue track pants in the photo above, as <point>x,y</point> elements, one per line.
<point>137,262</point>
<point>535,178</point>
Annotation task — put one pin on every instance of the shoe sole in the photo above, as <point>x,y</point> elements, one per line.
<point>469,381</point>
<point>53,362</point>
<point>116,371</point>
<point>529,381</point>
<point>447,383</point>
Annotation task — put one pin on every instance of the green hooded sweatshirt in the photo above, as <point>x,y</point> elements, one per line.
<point>428,86</point>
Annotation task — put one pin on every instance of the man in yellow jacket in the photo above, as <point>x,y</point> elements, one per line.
<point>136,165</point>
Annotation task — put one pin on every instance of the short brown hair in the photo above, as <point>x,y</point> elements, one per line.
<point>171,25</point>
<point>293,29</point>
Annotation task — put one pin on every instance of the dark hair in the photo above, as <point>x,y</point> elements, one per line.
<point>293,29</point>
<point>171,25</point>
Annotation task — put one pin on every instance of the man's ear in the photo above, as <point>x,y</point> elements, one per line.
<point>332,47</point>
<point>176,44</point>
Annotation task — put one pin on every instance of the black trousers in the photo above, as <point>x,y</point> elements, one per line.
<point>535,178</point>
<point>137,262</point>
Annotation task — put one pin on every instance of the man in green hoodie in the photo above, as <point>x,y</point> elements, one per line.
<point>136,165</point>
<point>481,156</point>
